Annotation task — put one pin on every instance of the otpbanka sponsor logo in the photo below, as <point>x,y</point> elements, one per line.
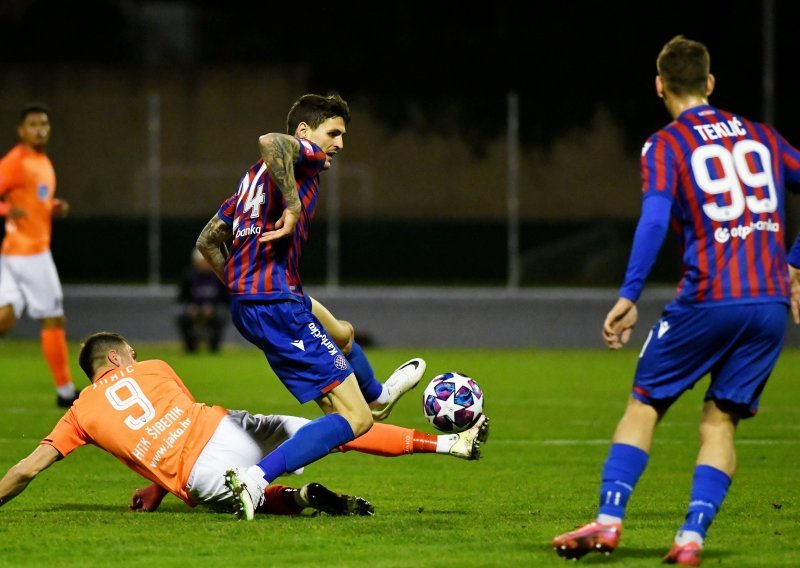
<point>724,234</point>
<point>248,231</point>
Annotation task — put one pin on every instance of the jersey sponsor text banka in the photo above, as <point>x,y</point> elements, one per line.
<point>248,231</point>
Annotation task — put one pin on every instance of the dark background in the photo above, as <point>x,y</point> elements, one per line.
<point>413,60</point>
<point>429,68</point>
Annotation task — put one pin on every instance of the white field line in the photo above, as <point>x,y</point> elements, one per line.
<point>745,442</point>
<point>607,441</point>
<point>573,442</point>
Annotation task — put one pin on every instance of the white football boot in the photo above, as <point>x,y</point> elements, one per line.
<point>404,378</point>
<point>248,492</point>
<point>468,444</point>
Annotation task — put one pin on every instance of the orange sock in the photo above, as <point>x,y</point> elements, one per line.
<point>54,347</point>
<point>390,441</point>
<point>279,500</point>
<point>425,443</point>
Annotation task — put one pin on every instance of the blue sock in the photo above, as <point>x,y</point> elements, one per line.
<point>369,385</point>
<point>622,469</point>
<point>311,442</point>
<point>709,488</point>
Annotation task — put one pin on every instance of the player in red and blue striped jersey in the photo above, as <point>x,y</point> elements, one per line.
<point>719,181</point>
<point>268,218</point>
<point>266,267</point>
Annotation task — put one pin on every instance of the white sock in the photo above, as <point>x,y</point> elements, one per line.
<point>301,496</point>
<point>444,442</point>
<point>685,537</point>
<point>66,391</point>
<point>382,399</point>
<point>608,519</point>
<point>257,473</point>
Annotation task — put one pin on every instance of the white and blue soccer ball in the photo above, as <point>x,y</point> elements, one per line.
<point>452,402</point>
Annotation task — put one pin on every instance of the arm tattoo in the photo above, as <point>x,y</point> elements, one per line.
<point>210,241</point>
<point>279,152</point>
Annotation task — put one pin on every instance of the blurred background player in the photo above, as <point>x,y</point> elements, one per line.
<point>203,305</point>
<point>719,179</point>
<point>28,275</point>
<point>143,414</point>
<point>269,219</point>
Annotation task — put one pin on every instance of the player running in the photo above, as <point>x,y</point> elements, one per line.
<point>28,275</point>
<point>719,180</point>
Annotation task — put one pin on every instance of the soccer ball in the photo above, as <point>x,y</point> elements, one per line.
<point>452,402</point>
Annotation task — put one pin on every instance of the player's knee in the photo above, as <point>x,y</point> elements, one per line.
<point>7,319</point>
<point>640,412</point>
<point>363,426</point>
<point>345,336</point>
<point>717,425</point>
<point>360,421</point>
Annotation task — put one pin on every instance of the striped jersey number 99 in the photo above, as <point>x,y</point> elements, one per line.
<point>735,172</point>
<point>132,396</point>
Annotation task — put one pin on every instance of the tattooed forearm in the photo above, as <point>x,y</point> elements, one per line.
<point>209,243</point>
<point>279,152</point>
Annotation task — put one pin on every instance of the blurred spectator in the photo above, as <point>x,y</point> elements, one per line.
<point>203,302</point>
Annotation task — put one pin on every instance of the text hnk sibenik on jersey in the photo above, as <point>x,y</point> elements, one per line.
<point>159,428</point>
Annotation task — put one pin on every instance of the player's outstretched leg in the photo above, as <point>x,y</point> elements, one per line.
<point>248,492</point>
<point>468,443</point>
<point>594,537</point>
<point>322,499</point>
<point>404,378</point>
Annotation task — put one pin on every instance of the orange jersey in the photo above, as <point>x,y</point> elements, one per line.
<point>27,181</point>
<point>145,417</point>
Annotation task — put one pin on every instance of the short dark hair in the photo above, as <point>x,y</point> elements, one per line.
<point>684,65</point>
<point>316,109</point>
<point>94,349</point>
<point>31,108</point>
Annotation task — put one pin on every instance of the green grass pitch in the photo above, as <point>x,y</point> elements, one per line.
<point>552,413</point>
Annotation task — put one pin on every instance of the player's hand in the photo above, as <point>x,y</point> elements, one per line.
<point>619,323</point>
<point>283,228</point>
<point>60,208</point>
<point>147,499</point>
<point>794,280</point>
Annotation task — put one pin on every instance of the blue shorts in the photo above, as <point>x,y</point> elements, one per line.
<point>297,347</point>
<point>738,344</point>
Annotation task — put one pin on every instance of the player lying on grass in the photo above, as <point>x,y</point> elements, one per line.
<point>143,414</point>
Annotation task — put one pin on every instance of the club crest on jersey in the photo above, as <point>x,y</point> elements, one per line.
<point>43,191</point>
<point>340,362</point>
